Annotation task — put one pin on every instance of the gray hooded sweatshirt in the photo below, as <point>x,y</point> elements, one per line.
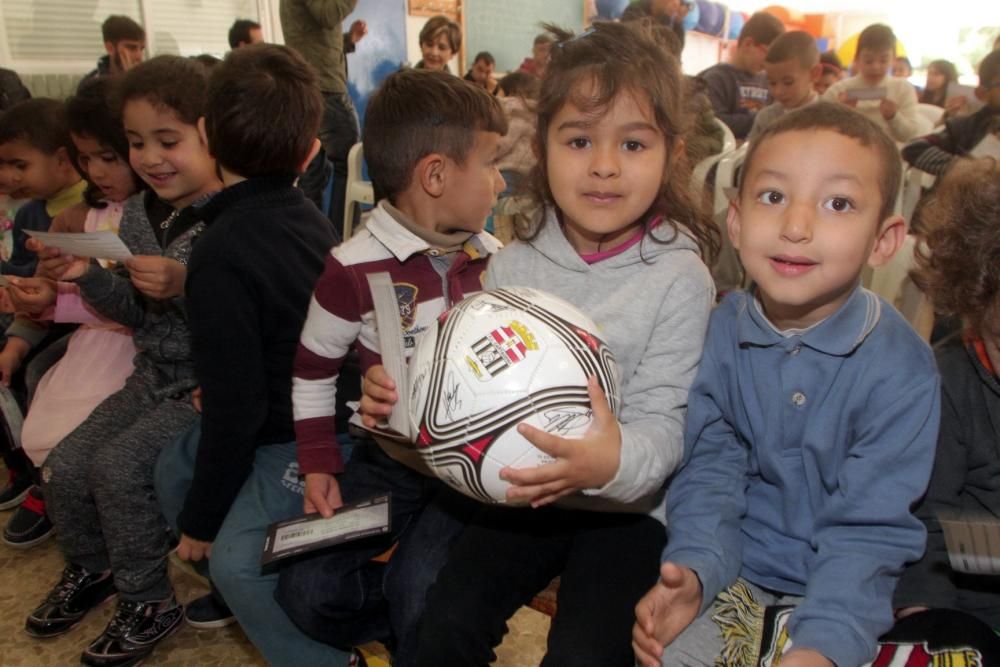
<point>651,303</point>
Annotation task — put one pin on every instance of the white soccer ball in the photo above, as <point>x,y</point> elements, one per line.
<point>494,360</point>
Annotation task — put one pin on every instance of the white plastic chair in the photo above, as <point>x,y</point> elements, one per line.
<point>930,112</point>
<point>726,177</point>
<point>358,190</point>
<point>728,138</point>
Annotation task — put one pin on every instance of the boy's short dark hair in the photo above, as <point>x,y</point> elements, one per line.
<point>543,38</point>
<point>521,84</point>
<point>175,82</point>
<point>240,32</point>
<point>117,28</point>
<point>418,112</point>
<point>798,45</point>
<point>263,110</point>
<point>877,37</point>
<point>442,25</point>
<point>989,68</point>
<point>486,57</point>
<point>850,123</point>
<point>762,27</point>
<point>41,122</point>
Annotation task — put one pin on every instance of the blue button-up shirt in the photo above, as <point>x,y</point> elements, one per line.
<point>803,454</point>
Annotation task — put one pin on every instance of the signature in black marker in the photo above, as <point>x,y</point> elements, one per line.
<point>565,420</point>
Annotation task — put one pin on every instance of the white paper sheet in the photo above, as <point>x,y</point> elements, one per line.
<point>99,245</point>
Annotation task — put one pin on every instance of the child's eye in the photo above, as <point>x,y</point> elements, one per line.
<point>579,142</point>
<point>771,197</point>
<point>168,144</point>
<point>109,157</point>
<point>633,146</point>
<point>839,204</point>
<point>137,145</point>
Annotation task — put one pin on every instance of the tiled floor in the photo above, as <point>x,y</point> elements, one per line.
<point>25,577</point>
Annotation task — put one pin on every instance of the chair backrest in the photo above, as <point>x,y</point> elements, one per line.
<point>357,189</point>
<point>728,138</point>
<point>726,177</point>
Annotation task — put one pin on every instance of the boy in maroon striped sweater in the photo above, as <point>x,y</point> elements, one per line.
<point>431,142</point>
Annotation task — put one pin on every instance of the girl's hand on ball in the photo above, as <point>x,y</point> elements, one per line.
<point>589,462</point>
<point>378,395</point>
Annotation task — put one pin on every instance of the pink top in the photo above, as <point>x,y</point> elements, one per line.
<point>595,257</point>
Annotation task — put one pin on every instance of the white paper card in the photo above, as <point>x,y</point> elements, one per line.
<point>988,147</point>
<point>390,341</point>
<point>973,546</point>
<point>867,93</point>
<point>99,245</point>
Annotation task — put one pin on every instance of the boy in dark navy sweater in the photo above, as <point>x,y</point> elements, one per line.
<point>248,288</point>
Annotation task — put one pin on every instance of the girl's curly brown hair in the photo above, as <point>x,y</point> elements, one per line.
<point>624,58</point>
<point>959,266</point>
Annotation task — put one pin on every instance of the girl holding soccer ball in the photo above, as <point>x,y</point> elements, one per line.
<point>621,238</point>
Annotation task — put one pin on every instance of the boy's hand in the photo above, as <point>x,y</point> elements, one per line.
<point>11,357</point>
<point>909,611</point>
<point>956,105</point>
<point>7,304</point>
<point>357,31</point>
<point>192,549</point>
<point>664,612</point>
<point>54,265</point>
<point>322,494</point>
<point>378,395</point>
<point>844,99</point>
<point>888,108</point>
<point>32,295</point>
<point>196,399</point>
<point>157,277</point>
<point>589,462</point>
<point>804,657</point>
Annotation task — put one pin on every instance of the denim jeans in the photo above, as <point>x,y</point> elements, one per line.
<point>272,492</point>
<point>340,596</point>
<point>337,133</point>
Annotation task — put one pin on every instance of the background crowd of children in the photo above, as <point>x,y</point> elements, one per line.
<point>772,485</point>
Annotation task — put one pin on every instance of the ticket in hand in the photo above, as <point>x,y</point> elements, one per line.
<point>867,93</point>
<point>303,534</point>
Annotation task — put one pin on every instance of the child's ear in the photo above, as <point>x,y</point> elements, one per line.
<point>733,222</point>
<point>431,172</point>
<point>890,238</point>
<point>313,151</point>
<point>815,72</point>
<point>110,48</point>
<point>202,132</point>
<point>62,157</point>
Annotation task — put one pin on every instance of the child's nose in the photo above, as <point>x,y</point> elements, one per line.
<point>604,161</point>
<point>798,223</point>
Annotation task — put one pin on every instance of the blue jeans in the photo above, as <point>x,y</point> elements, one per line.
<point>272,492</point>
<point>340,596</point>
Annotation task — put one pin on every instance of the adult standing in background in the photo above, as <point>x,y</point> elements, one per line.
<point>315,29</point>
<point>124,41</point>
<point>245,32</point>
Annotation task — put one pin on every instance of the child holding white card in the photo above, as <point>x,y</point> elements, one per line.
<point>959,272</point>
<point>896,110</point>
<point>98,481</point>
<point>98,355</point>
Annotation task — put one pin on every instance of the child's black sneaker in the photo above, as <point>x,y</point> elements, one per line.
<point>77,592</point>
<point>15,491</point>
<point>134,631</point>
<point>29,525</point>
<point>208,612</point>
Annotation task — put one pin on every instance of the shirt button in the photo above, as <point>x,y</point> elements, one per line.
<point>798,398</point>
<point>795,350</point>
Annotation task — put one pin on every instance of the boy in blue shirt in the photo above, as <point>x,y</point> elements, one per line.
<point>811,425</point>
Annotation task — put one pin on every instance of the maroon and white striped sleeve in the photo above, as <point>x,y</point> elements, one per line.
<point>332,325</point>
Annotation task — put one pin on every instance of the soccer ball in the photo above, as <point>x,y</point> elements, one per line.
<point>494,360</point>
